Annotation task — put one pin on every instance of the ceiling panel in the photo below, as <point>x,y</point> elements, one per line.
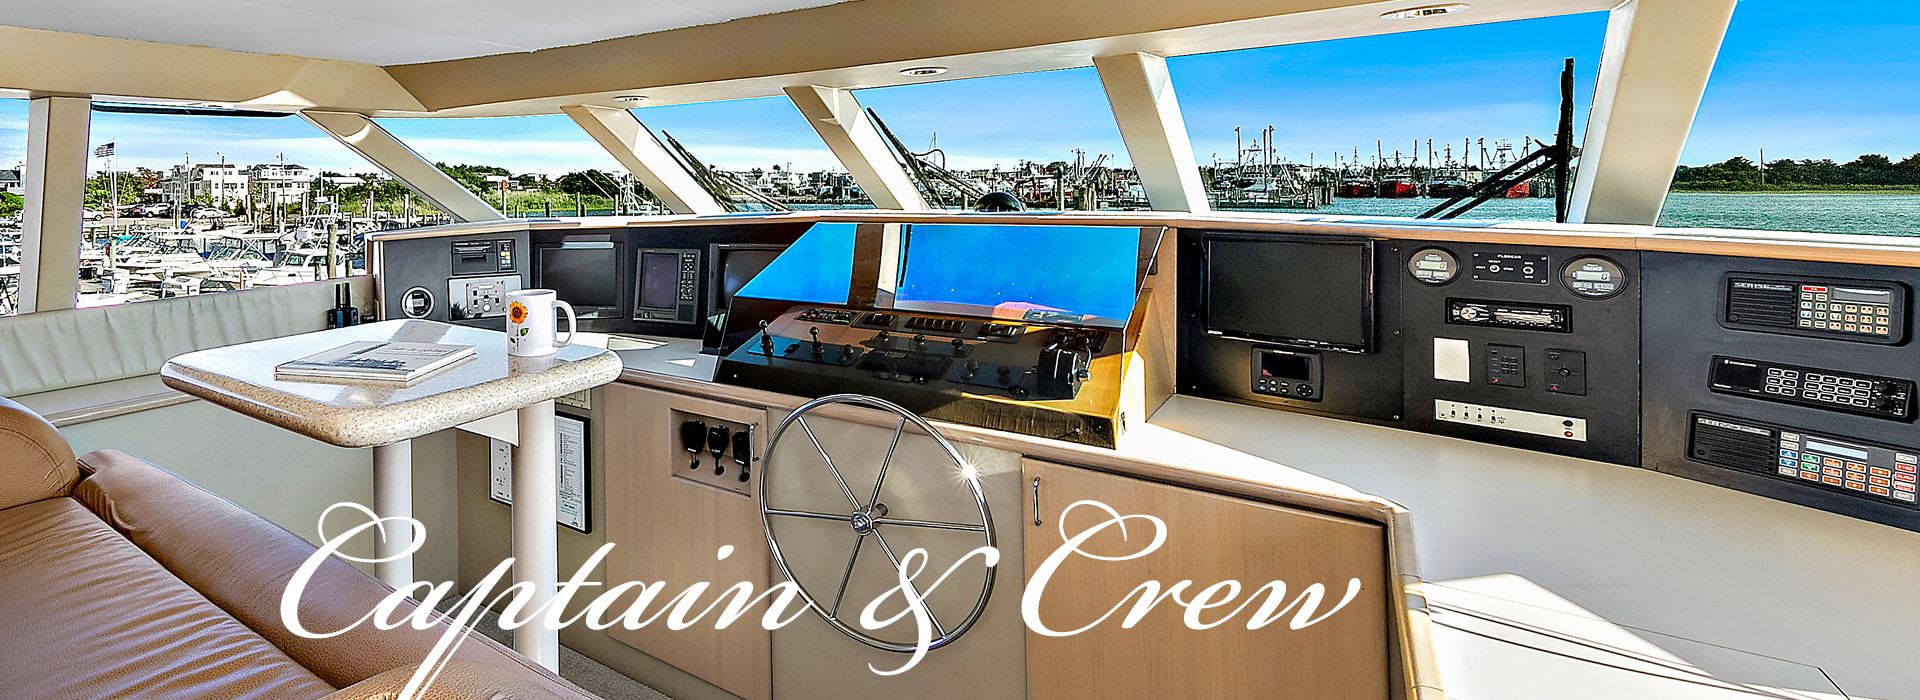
<point>382,32</point>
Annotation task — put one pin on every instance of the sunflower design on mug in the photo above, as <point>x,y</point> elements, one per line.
<point>516,313</point>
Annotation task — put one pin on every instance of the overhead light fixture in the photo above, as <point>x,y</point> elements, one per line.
<point>1426,11</point>
<point>922,71</point>
<point>630,99</point>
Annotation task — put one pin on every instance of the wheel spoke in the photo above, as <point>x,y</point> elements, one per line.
<point>844,488</point>
<point>916,589</point>
<point>858,539</point>
<point>884,463</point>
<point>842,519</point>
<point>930,524</point>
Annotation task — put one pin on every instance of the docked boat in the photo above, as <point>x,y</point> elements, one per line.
<point>1397,185</point>
<point>901,450</point>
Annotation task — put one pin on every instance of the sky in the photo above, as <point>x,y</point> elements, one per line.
<point>1802,81</point>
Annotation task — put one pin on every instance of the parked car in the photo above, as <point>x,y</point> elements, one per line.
<point>209,213</point>
<point>154,210</point>
<point>90,215</point>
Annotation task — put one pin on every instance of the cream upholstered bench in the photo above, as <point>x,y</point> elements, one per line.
<point>84,364</point>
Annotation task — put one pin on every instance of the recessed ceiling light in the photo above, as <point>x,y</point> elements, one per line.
<point>630,98</point>
<point>1426,11</point>
<point>922,71</point>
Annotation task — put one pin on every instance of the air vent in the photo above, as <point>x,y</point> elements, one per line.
<point>943,326</point>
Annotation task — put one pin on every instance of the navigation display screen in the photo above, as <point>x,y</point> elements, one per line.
<point>1309,293</point>
<point>659,280</point>
<point>1080,275</point>
<point>581,274</point>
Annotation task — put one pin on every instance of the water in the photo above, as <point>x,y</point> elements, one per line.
<point>1875,214</point>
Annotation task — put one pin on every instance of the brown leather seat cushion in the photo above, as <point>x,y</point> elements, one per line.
<point>243,564</point>
<point>86,614</point>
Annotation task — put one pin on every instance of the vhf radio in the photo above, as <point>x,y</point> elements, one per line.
<point>1864,394</point>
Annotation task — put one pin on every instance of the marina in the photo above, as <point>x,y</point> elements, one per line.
<point>997,350</point>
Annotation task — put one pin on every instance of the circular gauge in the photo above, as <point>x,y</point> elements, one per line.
<point>1593,277</point>
<point>1433,266</point>
<point>416,302</point>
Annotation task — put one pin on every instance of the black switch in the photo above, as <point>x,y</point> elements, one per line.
<point>1507,365</point>
<point>1567,372</point>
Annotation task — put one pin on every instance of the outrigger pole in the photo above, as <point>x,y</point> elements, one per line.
<point>1557,156</point>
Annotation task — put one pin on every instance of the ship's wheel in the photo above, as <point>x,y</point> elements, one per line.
<point>945,483</point>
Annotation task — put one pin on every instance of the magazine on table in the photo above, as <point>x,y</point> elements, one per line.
<point>374,360</point>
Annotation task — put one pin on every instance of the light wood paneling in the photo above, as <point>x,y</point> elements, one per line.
<point>668,529</point>
<point>1210,538</point>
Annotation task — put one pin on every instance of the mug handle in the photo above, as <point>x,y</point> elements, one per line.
<point>572,324</point>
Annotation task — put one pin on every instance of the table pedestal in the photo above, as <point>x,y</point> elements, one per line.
<point>393,498</point>
<point>536,505</point>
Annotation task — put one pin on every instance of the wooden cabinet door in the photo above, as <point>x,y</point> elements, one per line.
<point>1210,538</point>
<point>668,529</point>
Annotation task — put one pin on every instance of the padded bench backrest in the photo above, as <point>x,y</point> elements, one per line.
<point>62,349</point>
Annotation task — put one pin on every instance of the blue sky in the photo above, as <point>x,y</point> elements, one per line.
<point>1831,81</point>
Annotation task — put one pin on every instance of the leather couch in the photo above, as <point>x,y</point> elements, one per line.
<point>118,579</point>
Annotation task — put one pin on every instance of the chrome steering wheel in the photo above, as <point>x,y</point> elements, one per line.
<point>868,518</point>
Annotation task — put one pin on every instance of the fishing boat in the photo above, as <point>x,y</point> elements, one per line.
<point>913,449</point>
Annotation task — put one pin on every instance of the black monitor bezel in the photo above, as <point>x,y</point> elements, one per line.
<point>615,311</point>
<point>1369,304</point>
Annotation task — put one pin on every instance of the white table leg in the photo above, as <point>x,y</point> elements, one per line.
<point>393,498</point>
<point>536,504</point>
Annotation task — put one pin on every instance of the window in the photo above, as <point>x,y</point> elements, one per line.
<point>1047,138</point>
<point>13,189</point>
<point>1828,101</point>
<point>762,148</point>
<point>528,166</point>
<point>178,205</point>
<point>1386,125</point>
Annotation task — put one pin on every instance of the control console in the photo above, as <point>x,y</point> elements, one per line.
<point>1881,473</point>
<point>1833,390</point>
<point>1861,311</point>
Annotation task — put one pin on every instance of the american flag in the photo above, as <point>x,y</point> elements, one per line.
<point>104,150</point>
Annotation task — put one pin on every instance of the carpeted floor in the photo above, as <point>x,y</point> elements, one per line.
<point>590,675</point>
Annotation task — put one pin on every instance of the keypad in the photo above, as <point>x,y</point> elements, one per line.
<point>1799,459</point>
<point>1825,388</point>
<point>1819,310</point>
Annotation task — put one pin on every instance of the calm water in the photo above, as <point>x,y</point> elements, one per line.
<point>1880,214</point>
<point>1877,214</point>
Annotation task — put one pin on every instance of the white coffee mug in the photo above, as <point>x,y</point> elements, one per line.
<point>531,325</point>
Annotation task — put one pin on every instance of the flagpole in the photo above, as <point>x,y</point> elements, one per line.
<point>113,186</point>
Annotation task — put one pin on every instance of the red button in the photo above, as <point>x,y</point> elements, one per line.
<point>1903,487</point>
<point>1907,468</point>
<point>1903,476</point>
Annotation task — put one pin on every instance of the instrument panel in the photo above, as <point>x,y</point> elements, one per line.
<point>1787,379</point>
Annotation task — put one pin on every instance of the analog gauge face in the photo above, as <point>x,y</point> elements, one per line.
<point>1433,266</point>
<point>1593,277</point>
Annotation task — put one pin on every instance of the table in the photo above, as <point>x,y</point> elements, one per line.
<point>386,417</point>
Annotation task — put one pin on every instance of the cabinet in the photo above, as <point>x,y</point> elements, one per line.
<point>668,529</point>
<point>1210,538</point>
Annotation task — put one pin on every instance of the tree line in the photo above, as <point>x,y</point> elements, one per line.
<point>1738,174</point>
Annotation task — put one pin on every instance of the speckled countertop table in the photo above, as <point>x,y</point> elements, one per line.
<point>366,414</point>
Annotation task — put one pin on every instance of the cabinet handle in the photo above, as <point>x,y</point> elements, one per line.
<point>1036,501</point>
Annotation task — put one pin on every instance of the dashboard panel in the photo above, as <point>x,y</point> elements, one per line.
<point>1787,379</point>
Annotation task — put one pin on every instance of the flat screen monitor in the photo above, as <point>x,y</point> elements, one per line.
<point>659,280</point>
<point>1315,294</point>
<point>735,266</point>
<point>583,274</point>
<point>1078,275</point>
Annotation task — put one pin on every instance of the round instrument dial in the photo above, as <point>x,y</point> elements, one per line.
<point>416,302</point>
<point>1593,277</point>
<point>1433,266</point>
